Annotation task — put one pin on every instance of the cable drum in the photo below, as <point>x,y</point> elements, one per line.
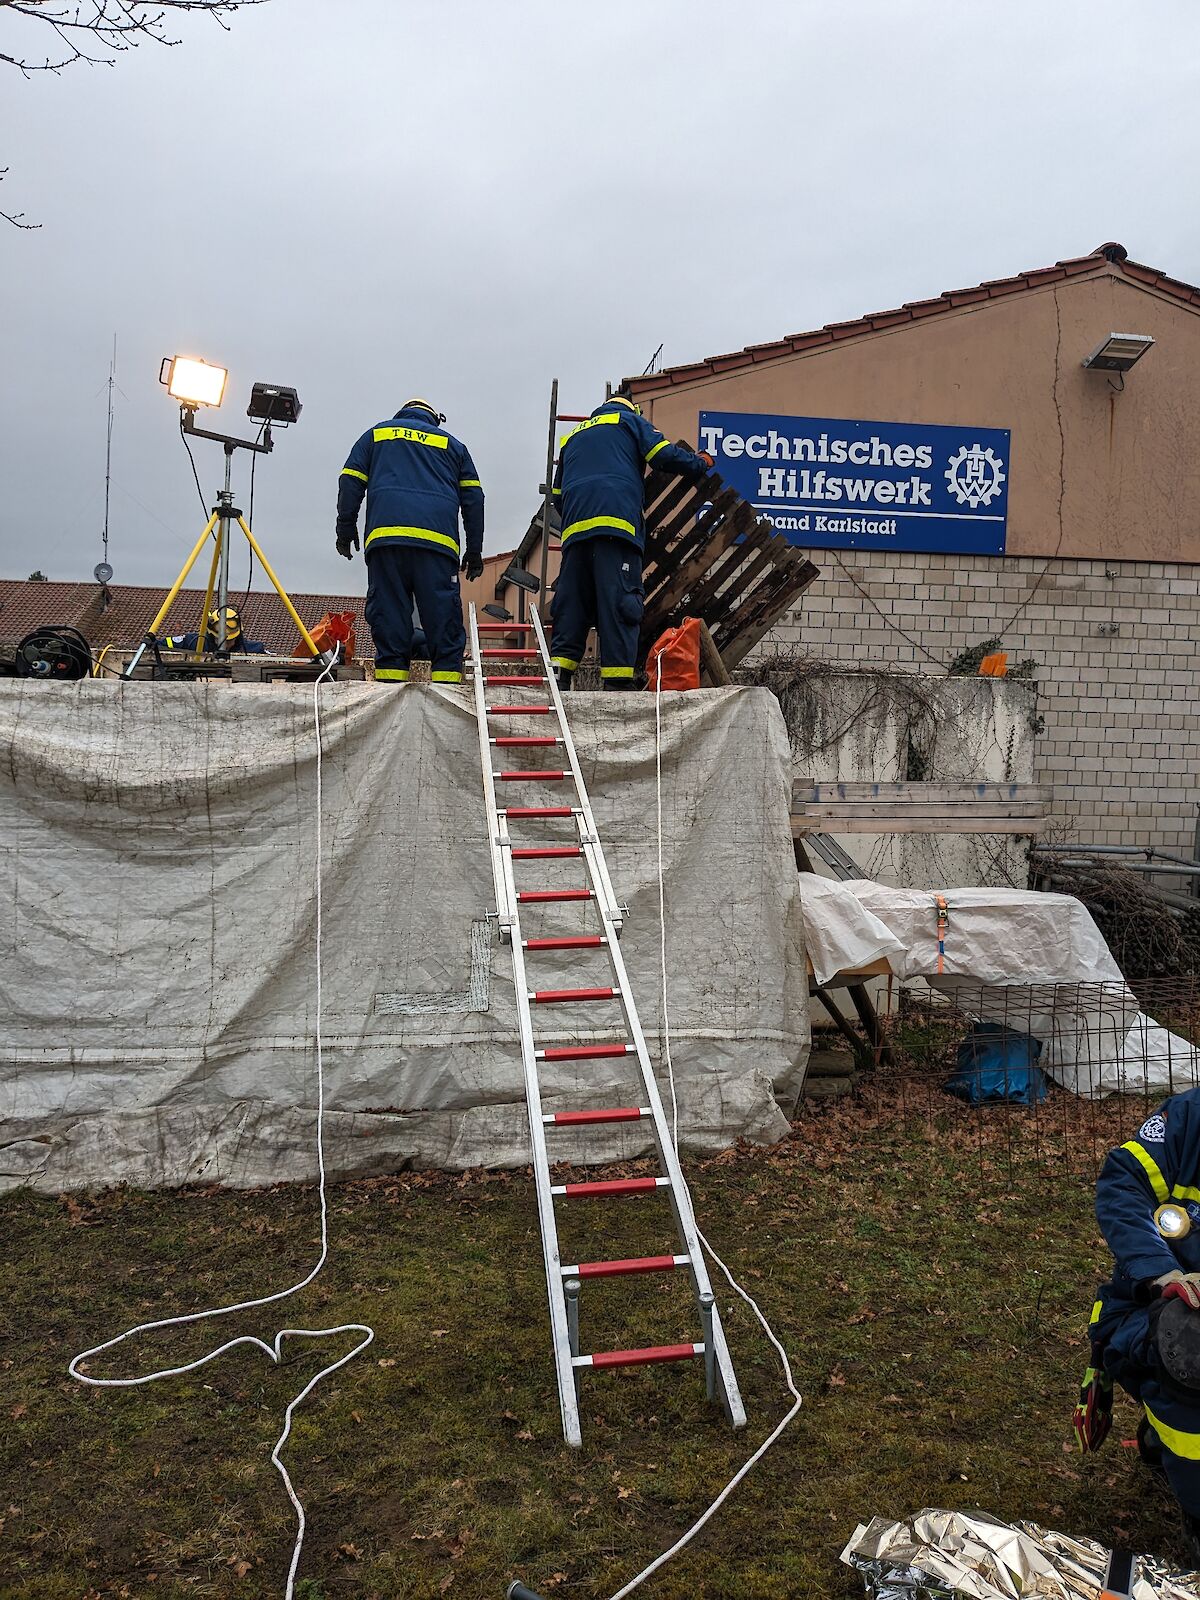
<point>55,652</point>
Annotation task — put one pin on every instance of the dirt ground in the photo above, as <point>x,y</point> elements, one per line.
<point>930,1274</point>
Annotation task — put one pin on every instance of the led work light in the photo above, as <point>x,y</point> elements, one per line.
<point>1118,352</point>
<point>193,382</point>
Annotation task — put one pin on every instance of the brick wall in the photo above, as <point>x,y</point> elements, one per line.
<point>1121,743</point>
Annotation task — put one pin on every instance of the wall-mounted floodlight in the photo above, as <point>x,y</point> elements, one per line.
<point>274,402</point>
<point>1118,352</point>
<point>193,382</point>
<point>521,579</point>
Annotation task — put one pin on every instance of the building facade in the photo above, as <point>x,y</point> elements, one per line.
<point>1098,578</point>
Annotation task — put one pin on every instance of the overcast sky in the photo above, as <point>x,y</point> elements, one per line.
<point>462,199</point>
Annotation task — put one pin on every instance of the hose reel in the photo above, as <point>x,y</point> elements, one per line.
<point>54,652</point>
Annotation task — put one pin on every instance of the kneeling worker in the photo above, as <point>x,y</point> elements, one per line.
<point>598,488</point>
<point>418,479</point>
<point>1145,1326</point>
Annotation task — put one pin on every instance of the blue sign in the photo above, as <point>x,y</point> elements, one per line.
<point>832,483</point>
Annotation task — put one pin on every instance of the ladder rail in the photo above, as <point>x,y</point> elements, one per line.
<point>548,1224</point>
<point>589,838</point>
<point>499,881</point>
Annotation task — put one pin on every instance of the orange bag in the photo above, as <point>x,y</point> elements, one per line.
<point>676,655</point>
<point>335,627</point>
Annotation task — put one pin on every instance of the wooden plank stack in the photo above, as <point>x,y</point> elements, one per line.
<point>1020,808</point>
<point>709,554</point>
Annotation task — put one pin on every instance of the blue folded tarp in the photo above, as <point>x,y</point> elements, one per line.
<point>996,1064</point>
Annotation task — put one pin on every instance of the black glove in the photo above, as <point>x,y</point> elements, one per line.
<point>347,540</point>
<point>472,565</point>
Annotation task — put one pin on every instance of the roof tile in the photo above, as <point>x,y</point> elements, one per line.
<point>1109,256</point>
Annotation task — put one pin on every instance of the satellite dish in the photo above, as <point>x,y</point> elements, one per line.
<point>103,572</point>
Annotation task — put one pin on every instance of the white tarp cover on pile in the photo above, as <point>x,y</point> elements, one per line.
<point>1036,962</point>
<point>156,953</point>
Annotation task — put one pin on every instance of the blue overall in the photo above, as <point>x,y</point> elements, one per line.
<point>418,479</point>
<point>599,488</point>
<point>1161,1163</point>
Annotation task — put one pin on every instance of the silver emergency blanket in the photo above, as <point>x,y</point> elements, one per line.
<point>157,873</point>
<point>942,1553</point>
<point>1034,962</point>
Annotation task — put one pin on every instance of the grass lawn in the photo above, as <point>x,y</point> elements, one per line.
<point>931,1277</point>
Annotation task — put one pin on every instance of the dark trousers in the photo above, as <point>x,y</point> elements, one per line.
<point>398,574</point>
<point>599,586</point>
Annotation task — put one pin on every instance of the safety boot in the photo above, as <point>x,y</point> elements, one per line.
<point>564,678</point>
<point>619,683</point>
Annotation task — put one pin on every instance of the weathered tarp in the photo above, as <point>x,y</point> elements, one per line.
<point>157,986</point>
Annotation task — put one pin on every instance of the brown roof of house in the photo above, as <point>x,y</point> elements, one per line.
<point>131,609</point>
<point>1104,257</point>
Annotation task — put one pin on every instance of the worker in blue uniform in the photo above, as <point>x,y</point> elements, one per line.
<point>418,480</point>
<point>598,489</point>
<point>1145,1324</point>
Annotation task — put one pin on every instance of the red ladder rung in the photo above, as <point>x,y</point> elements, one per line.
<point>517,680</point>
<point>548,852</point>
<point>571,416</point>
<point>519,711</point>
<point>582,1119</point>
<point>536,811</point>
<point>582,941</point>
<point>546,896</point>
<point>517,741</point>
<point>622,1269</point>
<point>640,1358</point>
<point>583,1052</point>
<point>517,650</point>
<point>603,1188</point>
<point>534,776</point>
<point>552,997</point>
<point>504,627</point>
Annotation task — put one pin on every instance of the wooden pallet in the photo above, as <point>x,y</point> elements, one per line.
<point>1021,808</point>
<point>709,554</point>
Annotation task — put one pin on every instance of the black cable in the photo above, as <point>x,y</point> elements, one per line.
<point>192,459</point>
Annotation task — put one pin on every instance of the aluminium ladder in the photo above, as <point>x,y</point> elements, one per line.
<point>563,1282</point>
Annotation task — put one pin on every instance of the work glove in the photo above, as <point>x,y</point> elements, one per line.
<point>709,461</point>
<point>1184,1286</point>
<point>347,540</point>
<point>472,565</point>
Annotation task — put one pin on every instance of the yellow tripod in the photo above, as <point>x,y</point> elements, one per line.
<point>224,514</point>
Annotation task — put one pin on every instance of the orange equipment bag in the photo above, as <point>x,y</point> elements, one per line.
<point>676,655</point>
<point>335,627</point>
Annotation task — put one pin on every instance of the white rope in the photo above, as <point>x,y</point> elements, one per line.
<point>275,1349</point>
<point>797,1399</point>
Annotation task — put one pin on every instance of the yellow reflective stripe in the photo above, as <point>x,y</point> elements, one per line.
<point>555,490</point>
<point>1176,1440</point>
<point>1185,1191</point>
<point>616,672</point>
<point>426,535</point>
<point>353,472</point>
<point>598,522</point>
<point>1096,1310</point>
<point>1157,1182</point>
<point>445,677</point>
<point>469,483</point>
<point>661,445</point>
<point>391,674</point>
<point>438,441</point>
<point>565,662</point>
<point>592,422</point>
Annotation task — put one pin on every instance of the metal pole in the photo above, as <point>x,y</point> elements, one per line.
<point>547,497</point>
<point>226,502</point>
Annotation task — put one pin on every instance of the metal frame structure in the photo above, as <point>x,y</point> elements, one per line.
<point>564,1282</point>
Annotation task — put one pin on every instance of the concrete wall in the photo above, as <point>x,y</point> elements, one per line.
<point>1126,466</point>
<point>849,725</point>
<point>1121,742</point>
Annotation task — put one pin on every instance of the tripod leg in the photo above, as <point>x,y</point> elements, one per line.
<point>208,593</point>
<point>279,589</point>
<point>171,598</point>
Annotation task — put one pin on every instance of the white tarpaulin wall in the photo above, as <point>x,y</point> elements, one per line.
<point>156,953</point>
<point>1036,962</point>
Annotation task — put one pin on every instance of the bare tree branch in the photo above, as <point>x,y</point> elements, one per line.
<point>97,31</point>
<point>15,217</point>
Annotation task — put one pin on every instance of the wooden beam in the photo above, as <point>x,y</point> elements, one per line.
<point>710,658</point>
